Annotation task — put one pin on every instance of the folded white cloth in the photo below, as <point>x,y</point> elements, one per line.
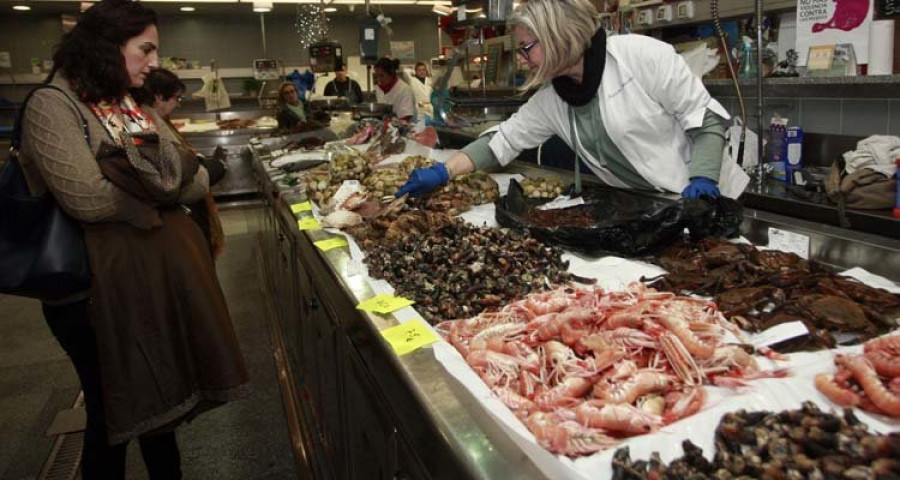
<point>875,153</point>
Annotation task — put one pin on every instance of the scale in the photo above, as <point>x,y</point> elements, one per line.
<point>267,71</point>
<point>325,56</point>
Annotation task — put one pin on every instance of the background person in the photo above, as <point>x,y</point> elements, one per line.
<point>292,113</point>
<point>389,89</point>
<point>148,356</point>
<point>627,104</point>
<point>344,86</point>
<point>163,91</point>
<point>420,83</point>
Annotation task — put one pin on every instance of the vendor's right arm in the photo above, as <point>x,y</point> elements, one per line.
<point>53,142</point>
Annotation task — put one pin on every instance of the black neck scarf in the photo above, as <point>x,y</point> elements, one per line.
<point>578,94</point>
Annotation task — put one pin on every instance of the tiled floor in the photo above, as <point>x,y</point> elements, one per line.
<point>244,440</point>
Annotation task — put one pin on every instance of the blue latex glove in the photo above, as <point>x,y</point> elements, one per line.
<point>700,186</point>
<point>424,180</point>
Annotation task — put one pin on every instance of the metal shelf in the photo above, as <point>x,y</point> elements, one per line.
<point>874,86</point>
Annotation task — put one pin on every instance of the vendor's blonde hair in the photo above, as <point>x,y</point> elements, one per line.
<point>564,29</point>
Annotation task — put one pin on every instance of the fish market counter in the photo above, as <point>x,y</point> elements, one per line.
<point>362,411</point>
<point>358,410</point>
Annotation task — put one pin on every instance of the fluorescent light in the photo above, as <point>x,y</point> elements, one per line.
<point>442,3</point>
<point>262,7</point>
<point>442,10</point>
<point>330,9</point>
<point>21,8</point>
<point>188,9</point>
<point>191,1</point>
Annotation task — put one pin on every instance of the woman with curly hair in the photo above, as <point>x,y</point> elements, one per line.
<point>151,340</point>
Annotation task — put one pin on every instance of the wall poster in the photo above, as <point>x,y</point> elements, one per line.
<point>829,22</point>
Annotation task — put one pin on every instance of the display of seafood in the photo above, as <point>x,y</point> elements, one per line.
<point>385,181</point>
<point>450,202</point>
<point>413,162</point>
<point>455,270</point>
<point>758,289</point>
<point>319,187</point>
<point>349,166</point>
<point>583,368</point>
<point>542,187</point>
<point>388,139</point>
<point>308,143</point>
<point>480,187</point>
<point>394,224</point>
<point>235,123</point>
<point>870,381</point>
<point>793,444</point>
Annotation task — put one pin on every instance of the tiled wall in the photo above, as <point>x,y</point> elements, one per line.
<point>843,116</point>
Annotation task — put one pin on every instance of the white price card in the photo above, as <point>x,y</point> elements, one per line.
<point>562,201</point>
<point>789,242</point>
<point>779,333</point>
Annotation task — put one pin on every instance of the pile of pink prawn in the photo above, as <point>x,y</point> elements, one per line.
<point>583,368</point>
<point>870,381</point>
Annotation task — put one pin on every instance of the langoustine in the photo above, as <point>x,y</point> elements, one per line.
<point>870,381</point>
<point>584,368</point>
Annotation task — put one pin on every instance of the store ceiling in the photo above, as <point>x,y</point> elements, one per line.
<point>221,8</point>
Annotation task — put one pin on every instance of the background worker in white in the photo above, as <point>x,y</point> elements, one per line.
<point>628,105</point>
<point>389,89</point>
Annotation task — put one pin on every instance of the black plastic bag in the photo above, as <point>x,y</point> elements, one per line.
<point>622,222</point>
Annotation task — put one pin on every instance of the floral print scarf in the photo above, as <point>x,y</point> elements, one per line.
<point>132,119</point>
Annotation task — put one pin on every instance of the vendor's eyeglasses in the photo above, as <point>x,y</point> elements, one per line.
<point>524,49</point>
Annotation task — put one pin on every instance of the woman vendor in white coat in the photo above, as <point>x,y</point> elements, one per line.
<point>628,105</point>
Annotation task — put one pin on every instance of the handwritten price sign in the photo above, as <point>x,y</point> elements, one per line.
<point>384,304</point>
<point>335,242</point>
<point>408,337</point>
<point>301,207</point>
<point>308,223</point>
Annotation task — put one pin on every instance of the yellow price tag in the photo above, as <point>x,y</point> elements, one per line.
<point>308,223</point>
<point>335,242</point>
<point>384,304</point>
<point>410,336</point>
<point>301,207</point>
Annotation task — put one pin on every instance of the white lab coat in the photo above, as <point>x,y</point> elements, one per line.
<point>648,98</point>
<point>400,97</point>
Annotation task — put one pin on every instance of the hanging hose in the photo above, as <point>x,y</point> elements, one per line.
<point>714,12</point>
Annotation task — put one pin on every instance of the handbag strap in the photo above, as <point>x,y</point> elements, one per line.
<point>17,126</point>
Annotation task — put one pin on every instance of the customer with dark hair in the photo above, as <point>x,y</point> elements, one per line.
<point>389,89</point>
<point>162,91</point>
<point>151,341</point>
<point>344,86</point>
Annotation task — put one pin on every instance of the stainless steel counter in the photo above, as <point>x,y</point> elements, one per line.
<point>364,412</point>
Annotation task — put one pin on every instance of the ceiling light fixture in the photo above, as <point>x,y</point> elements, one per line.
<point>442,10</point>
<point>21,8</point>
<point>188,9</point>
<point>262,7</point>
<point>330,9</point>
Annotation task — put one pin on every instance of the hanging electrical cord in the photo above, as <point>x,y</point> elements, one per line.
<point>717,23</point>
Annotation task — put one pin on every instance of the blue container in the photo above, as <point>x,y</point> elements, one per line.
<point>793,152</point>
<point>897,199</point>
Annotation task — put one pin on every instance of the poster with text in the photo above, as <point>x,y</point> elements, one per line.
<point>829,22</point>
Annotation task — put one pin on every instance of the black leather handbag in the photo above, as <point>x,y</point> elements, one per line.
<point>42,250</point>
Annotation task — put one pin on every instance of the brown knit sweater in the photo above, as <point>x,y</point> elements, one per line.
<point>55,156</point>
